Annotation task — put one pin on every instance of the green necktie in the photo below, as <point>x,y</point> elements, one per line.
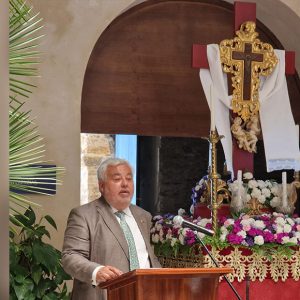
<point>133,258</point>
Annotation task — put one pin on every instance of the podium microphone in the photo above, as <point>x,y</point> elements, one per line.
<point>178,220</point>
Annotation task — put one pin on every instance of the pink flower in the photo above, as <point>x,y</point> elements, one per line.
<point>246,227</point>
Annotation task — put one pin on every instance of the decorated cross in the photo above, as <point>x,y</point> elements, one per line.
<point>243,160</point>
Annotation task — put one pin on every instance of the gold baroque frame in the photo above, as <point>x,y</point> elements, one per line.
<point>246,38</point>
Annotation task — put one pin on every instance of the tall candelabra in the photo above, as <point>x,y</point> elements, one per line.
<point>215,184</point>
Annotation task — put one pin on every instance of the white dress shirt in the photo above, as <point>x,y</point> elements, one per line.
<point>140,245</point>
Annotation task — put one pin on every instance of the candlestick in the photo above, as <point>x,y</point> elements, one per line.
<point>239,193</point>
<point>212,108</point>
<point>284,195</point>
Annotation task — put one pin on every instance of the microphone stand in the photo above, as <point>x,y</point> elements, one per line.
<point>218,266</point>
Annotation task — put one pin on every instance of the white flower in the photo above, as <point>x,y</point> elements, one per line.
<point>275,189</point>
<point>259,224</point>
<point>293,240</point>
<point>287,228</point>
<point>248,197</point>
<point>297,235</point>
<point>181,239</point>
<point>252,184</point>
<point>200,235</point>
<point>261,184</point>
<point>266,192</point>
<point>223,237</point>
<point>197,187</point>
<point>181,212</point>
<point>275,202</point>
<point>242,233</point>
<point>155,238</point>
<point>173,242</point>
<point>158,226</point>
<point>203,222</point>
<point>280,221</point>
<point>255,193</point>
<point>192,209</point>
<point>246,222</point>
<point>261,199</point>
<point>224,230</point>
<point>285,240</point>
<point>247,175</point>
<point>290,221</point>
<point>279,229</point>
<point>259,240</point>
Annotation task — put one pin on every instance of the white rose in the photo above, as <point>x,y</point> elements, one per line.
<point>252,184</point>
<point>246,222</point>
<point>248,197</point>
<point>255,193</point>
<point>275,202</point>
<point>266,192</point>
<point>259,240</point>
<point>247,175</point>
<point>294,240</point>
<point>261,199</point>
<point>261,184</point>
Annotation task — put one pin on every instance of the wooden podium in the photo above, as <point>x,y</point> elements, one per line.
<point>166,284</point>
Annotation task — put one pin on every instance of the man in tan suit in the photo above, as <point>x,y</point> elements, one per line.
<point>96,247</point>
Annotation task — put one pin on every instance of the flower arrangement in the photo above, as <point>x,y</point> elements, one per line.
<point>267,231</point>
<point>266,192</point>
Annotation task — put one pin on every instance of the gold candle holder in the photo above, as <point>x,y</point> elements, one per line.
<point>214,179</point>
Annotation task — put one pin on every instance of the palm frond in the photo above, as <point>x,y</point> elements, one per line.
<point>24,28</point>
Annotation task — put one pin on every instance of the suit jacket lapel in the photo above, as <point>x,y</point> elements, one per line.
<point>112,224</point>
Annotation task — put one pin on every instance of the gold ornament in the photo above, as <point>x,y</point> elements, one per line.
<point>246,57</point>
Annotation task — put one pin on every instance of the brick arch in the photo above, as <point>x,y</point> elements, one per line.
<point>139,77</point>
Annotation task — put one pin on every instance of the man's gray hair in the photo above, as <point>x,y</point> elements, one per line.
<point>110,161</point>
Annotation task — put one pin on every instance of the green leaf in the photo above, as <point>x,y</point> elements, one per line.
<point>36,273</point>
<point>51,221</point>
<point>29,213</point>
<point>22,289</point>
<point>50,296</point>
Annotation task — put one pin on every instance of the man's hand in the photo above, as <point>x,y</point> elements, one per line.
<point>107,273</point>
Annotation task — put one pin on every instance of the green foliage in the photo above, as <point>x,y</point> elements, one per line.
<point>26,147</point>
<point>35,266</point>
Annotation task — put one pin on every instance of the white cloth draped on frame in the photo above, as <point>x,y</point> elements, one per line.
<point>280,134</point>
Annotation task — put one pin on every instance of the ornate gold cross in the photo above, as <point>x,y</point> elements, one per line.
<point>246,57</point>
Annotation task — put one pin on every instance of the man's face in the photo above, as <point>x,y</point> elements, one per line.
<point>118,188</point>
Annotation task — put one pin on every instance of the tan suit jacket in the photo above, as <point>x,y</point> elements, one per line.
<point>93,236</point>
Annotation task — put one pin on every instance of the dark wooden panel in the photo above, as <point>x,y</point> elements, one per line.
<point>139,77</point>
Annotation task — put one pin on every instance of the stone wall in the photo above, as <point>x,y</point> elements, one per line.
<point>94,147</point>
